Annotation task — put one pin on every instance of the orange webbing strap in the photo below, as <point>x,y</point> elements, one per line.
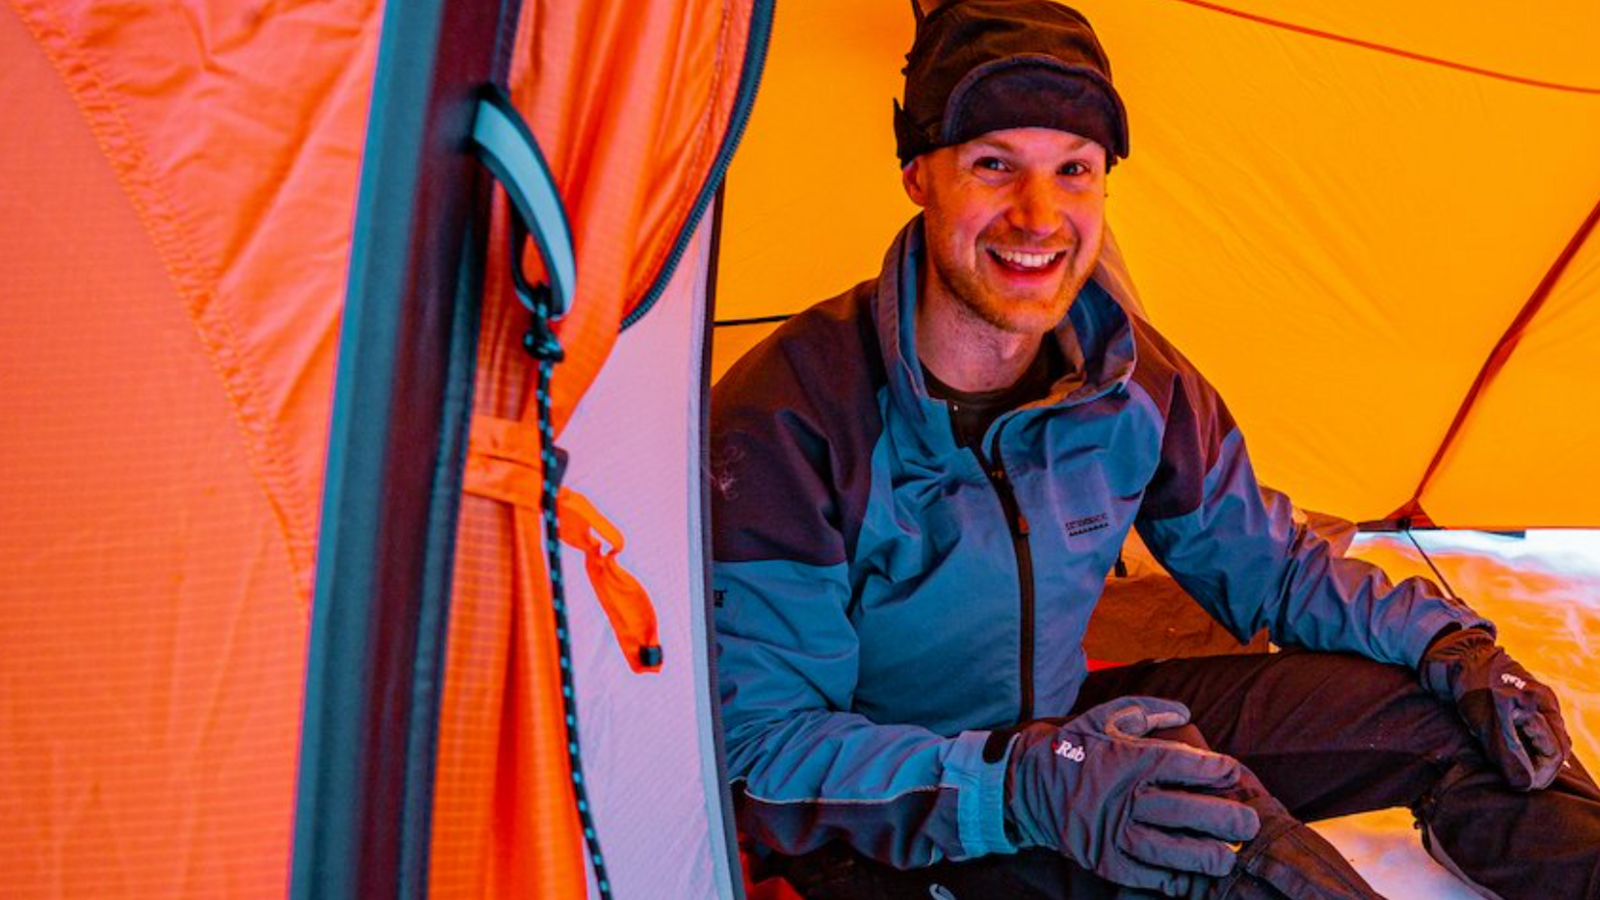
<point>632,615</point>
<point>536,845</point>
<point>503,464</point>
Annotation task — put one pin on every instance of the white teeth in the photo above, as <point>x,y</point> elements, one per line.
<point>1027,260</point>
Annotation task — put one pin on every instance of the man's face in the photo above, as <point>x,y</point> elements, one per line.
<point>1013,221</point>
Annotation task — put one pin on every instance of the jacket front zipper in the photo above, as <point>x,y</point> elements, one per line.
<point>1018,524</point>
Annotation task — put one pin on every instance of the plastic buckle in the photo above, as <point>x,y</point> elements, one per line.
<point>540,340</point>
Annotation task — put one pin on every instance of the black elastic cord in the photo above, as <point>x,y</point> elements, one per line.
<point>1448,590</point>
<point>542,344</point>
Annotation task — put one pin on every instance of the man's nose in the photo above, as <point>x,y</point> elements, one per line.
<point>1036,206</point>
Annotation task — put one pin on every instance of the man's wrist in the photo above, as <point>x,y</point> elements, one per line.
<point>1452,634</point>
<point>1456,634</point>
<point>980,778</point>
<point>1443,633</point>
<point>1002,748</point>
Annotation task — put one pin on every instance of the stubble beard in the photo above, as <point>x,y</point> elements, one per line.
<point>976,301</point>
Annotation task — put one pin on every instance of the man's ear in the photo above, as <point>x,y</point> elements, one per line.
<point>914,177</point>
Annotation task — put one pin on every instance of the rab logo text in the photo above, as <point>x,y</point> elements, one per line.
<point>1069,750</point>
<point>1508,678</point>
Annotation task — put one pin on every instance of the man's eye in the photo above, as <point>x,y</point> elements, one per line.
<point>991,164</point>
<point>1075,168</point>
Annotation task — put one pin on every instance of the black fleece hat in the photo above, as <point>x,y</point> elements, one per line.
<point>984,65</point>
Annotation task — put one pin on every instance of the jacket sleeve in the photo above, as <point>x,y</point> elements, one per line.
<point>1247,562</point>
<point>806,770</point>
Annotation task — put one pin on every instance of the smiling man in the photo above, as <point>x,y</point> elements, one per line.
<point>1012,223</point>
<point>920,487</point>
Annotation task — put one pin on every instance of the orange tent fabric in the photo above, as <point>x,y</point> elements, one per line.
<point>173,236</point>
<point>173,254</point>
<point>630,105</point>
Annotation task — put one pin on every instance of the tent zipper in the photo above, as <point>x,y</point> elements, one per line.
<point>1018,525</point>
<point>755,61</point>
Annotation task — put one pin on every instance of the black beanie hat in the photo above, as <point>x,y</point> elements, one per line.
<point>984,65</point>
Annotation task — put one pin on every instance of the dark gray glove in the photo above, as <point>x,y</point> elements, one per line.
<point>1514,717</point>
<point>1132,809</point>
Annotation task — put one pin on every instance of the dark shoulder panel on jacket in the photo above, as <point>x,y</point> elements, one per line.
<point>1195,423</point>
<point>793,424</point>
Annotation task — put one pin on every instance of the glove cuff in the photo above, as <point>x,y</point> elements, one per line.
<point>1023,827</point>
<point>980,783</point>
<point>1449,651</point>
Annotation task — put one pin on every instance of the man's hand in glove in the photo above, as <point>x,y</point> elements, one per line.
<point>1514,717</point>
<point>1133,809</point>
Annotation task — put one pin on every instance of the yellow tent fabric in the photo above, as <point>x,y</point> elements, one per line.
<point>1336,210</point>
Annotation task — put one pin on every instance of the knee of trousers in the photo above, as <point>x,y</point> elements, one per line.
<point>1284,860</point>
<point>1389,707</point>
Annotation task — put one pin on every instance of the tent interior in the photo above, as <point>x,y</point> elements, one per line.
<point>1306,212</point>
<point>1370,225</point>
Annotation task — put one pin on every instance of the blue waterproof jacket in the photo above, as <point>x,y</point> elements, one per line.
<point>883,602</point>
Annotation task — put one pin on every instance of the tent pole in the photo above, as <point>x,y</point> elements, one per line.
<point>392,490</point>
<point>1412,511</point>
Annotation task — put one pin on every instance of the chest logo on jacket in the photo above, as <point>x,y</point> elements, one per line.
<point>1087,524</point>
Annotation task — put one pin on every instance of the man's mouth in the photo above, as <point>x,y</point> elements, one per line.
<point>1026,261</point>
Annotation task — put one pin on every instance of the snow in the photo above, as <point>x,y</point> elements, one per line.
<point>1542,590</point>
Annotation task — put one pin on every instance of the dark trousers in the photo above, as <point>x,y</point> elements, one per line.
<point>1328,735</point>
